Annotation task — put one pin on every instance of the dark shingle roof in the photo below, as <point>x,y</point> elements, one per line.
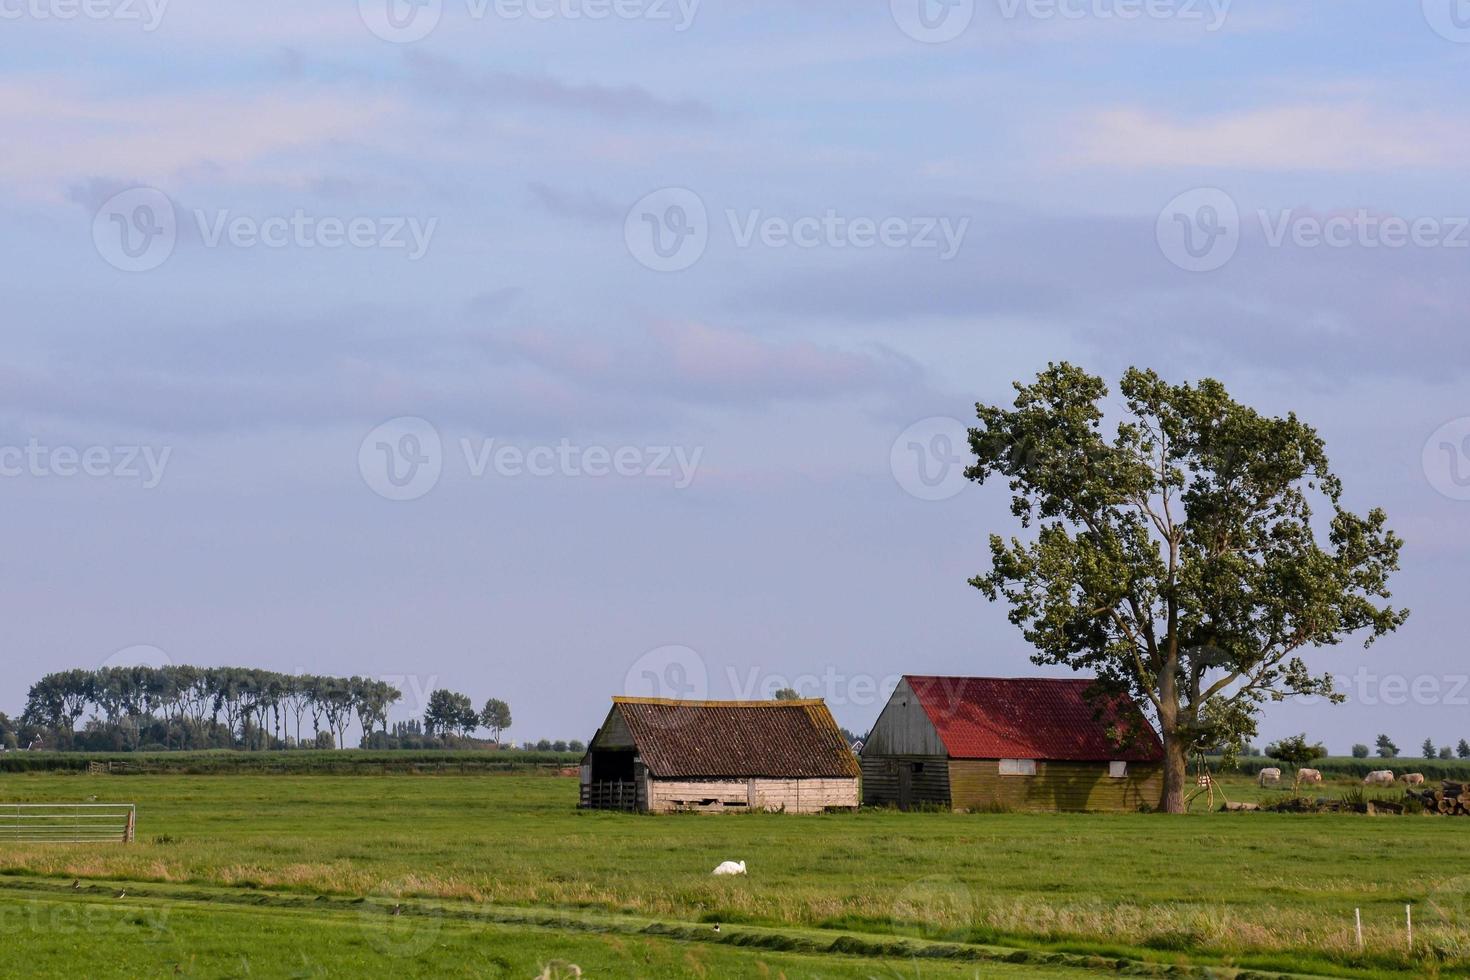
<point>1033,718</point>
<point>737,739</point>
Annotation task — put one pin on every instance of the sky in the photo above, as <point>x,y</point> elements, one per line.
<point>555,349</point>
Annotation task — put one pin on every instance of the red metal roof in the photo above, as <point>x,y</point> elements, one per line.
<point>1033,718</point>
<point>737,739</point>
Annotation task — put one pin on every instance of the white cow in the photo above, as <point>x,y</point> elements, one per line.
<point>1414,778</point>
<point>731,868</point>
<point>1379,777</point>
<point>1269,777</point>
<point>1309,775</point>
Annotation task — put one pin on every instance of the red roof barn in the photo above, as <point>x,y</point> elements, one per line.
<point>1011,743</point>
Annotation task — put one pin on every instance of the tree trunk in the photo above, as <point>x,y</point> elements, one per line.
<point>1176,772</point>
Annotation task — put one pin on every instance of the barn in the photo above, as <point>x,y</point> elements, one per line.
<point>1028,743</point>
<point>654,755</point>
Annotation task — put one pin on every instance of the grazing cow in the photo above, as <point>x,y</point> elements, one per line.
<point>1309,775</point>
<point>1379,777</point>
<point>1414,778</point>
<point>1269,777</point>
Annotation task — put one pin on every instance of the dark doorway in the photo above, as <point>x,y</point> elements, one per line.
<point>612,767</point>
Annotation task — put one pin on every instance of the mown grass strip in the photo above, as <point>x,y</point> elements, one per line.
<point>769,939</point>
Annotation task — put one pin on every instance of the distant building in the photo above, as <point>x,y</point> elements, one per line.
<point>660,756</point>
<point>977,743</point>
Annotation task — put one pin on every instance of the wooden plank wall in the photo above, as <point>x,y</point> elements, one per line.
<point>976,784</point>
<point>880,779</point>
<point>790,795</point>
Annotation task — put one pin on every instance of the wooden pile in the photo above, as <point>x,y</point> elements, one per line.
<point>1451,799</point>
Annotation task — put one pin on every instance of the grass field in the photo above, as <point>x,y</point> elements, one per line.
<point>500,875</point>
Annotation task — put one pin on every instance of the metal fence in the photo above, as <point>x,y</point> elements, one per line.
<point>68,823</point>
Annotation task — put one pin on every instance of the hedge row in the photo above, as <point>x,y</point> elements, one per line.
<point>306,762</point>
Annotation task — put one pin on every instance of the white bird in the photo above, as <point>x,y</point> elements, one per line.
<point>731,868</point>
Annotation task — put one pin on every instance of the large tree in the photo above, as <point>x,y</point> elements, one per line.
<point>449,712</point>
<point>496,717</point>
<point>1178,559</point>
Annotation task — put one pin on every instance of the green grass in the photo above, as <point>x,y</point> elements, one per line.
<point>67,937</point>
<point>1253,890</point>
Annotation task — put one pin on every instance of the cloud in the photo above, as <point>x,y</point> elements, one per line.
<point>357,365</point>
<point>584,206</point>
<point>700,363</point>
<point>70,132</point>
<point>442,78</point>
<point>1319,312</point>
<point>1315,137</point>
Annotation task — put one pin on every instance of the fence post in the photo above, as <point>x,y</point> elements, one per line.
<point>1358,913</point>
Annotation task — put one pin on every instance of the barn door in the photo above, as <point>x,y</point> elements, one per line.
<point>905,785</point>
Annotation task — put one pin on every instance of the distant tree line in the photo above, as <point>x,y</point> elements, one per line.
<point>184,707</point>
<point>124,709</point>
<point>1385,748</point>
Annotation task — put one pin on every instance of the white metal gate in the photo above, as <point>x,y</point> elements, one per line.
<point>67,823</point>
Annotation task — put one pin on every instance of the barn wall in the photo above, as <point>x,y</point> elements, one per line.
<point>881,779</point>
<point>728,795</point>
<point>976,784</point>
<point>903,729</point>
<point>613,734</point>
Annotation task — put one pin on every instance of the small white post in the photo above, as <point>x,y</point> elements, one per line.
<point>1409,920</point>
<point>1359,914</point>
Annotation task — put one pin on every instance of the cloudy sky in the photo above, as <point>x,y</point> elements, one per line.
<point>547,349</point>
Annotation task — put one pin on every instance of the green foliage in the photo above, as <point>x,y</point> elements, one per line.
<point>326,761</point>
<point>185,707</point>
<point>1429,749</point>
<point>1463,751</point>
<point>1445,752</point>
<point>1360,751</point>
<point>1296,750</point>
<point>1386,748</point>
<point>788,694</point>
<point>496,717</point>
<point>449,712</point>
<point>1177,560</point>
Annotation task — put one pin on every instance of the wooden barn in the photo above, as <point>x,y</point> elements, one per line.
<point>1029,743</point>
<point>659,756</point>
